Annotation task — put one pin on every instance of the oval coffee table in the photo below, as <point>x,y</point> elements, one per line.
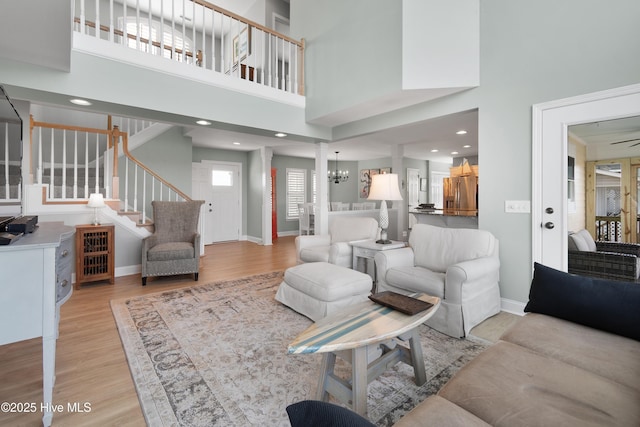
<point>359,328</point>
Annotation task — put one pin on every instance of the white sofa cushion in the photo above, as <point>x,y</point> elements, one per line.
<point>437,248</point>
<point>582,241</point>
<point>315,254</point>
<point>350,229</point>
<point>418,279</point>
<point>327,282</point>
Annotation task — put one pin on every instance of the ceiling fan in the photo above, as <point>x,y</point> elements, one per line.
<point>628,140</point>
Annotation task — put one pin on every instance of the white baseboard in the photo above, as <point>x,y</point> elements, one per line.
<point>511,306</point>
<point>128,270</point>
<point>287,233</point>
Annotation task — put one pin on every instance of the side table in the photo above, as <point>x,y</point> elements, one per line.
<point>94,253</point>
<point>367,249</point>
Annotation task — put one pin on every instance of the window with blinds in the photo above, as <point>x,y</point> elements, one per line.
<point>296,191</point>
<point>313,186</point>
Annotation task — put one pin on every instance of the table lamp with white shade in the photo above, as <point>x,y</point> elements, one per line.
<point>96,201</point>
<point>384,187</point>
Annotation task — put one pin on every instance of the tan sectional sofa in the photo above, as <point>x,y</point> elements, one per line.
<point>556,366</point>
<point>572,360</point>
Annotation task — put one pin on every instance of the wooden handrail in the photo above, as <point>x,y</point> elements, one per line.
<point>125,151</point>
<point>247,21</point>
<point>114,134</point>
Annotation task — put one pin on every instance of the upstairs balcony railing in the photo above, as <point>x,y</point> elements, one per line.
<point>198,34</point>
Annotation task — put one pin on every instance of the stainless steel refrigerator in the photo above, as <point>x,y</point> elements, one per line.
<point>461,193</point>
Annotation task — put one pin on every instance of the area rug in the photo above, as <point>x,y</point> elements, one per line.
<point>216,355</point>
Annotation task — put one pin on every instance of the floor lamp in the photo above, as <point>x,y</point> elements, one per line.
<point>384,187</point>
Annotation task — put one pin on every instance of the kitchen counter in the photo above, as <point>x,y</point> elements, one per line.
<point>447,218</point>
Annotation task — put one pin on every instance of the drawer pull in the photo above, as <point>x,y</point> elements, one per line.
<point>65,282</point>
<point>64,253</point>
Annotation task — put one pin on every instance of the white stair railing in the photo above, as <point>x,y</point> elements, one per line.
<point>11,191</point>
<point>198,34</point>
<point>141,185</point>
<point>64,154</point>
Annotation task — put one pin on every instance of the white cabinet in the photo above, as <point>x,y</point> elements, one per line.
<point>35,279</point>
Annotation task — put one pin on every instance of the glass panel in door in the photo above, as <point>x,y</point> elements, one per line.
<point>608,202</point>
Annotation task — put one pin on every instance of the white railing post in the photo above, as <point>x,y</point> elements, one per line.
<point>40,160</point>
<point>144,194</point>
<point>97,19</point>
<point>82,17</point>
<point>126,184</point>
<point>6,160</point>
<point>64,164</point>
<point>86,165</point>
<point>135,188</point>
<point>75,164</point>
<point>51,175</point>
<point>97,174</point>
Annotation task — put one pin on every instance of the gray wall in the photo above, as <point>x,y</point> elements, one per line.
<point>530,52</point>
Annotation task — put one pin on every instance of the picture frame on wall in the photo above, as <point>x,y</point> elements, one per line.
<point>385,170</point>
<point>241,45</point>
<point>364,182</point>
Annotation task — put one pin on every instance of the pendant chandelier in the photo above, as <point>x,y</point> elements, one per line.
<point>338,176</point>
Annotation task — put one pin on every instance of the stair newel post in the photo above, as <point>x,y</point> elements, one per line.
<point>115,180</point>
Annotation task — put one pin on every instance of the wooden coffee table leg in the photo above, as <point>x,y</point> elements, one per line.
<point>417,359</point>
<point>326,369</point>
<point>359,381</point>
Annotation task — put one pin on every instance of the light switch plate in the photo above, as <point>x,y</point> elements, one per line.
<point>517,206</point>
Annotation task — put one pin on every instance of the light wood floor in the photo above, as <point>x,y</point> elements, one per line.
<point>90,363</point>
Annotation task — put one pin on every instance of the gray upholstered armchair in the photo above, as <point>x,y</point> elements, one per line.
<point>174,247</point>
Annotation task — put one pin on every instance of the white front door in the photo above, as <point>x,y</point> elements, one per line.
<point>550,123</point>
<point>219,184</point>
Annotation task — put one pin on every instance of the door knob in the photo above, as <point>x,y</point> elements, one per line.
<point>549,210</point>
<point>549,225</point>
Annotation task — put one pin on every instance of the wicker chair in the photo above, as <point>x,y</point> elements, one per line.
<point>174,247</point>
<point>609,260</point>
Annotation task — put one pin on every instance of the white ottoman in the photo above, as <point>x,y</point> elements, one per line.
<point>317,289</point>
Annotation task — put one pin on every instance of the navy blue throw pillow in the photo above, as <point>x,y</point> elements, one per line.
<point>314,413</point>
<point>608,305</point>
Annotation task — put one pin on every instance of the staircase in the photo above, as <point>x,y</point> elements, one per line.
<point>101,162</point>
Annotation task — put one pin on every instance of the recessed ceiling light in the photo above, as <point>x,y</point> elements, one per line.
<point>461,132</point>
<point>203,122</point>
<point>466,146</point>
<point>235,143</point>
<point>82,102</point>
<point>454,152</point>
<point>281,135</point>
<point>435,150</point>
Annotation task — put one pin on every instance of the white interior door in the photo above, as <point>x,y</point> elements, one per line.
<point>413,194</point>
<point>219,184</point>
<point>550,123</point>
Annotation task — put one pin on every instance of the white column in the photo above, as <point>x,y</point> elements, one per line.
<point>321,225</point>
<point>397,166</point>
<point>266,154</point>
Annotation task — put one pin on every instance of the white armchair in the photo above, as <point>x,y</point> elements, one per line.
<point>460,266</point>
<point>334,247</point>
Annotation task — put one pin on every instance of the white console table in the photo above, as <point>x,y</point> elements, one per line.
<point>36,280</point>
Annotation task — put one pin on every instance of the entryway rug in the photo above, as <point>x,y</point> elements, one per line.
<point>216,355</point>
